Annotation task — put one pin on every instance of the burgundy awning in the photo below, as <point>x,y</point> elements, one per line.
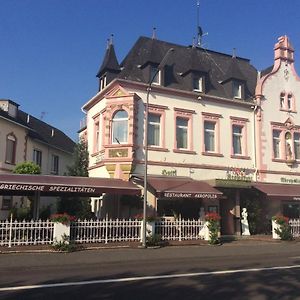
<point>23,184</point>
<point>182,187</point>
<point>279,191</point>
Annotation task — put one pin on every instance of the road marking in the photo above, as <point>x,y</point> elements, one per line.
<point>128,279</point>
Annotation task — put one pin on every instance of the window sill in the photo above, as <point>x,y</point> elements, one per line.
<point>288,110</point>
<point>184,151</point>
<point>280,160</point>
<point>240,157</point>
<point>212,154</point>
<point>97,153</point>
<point>159,149</point>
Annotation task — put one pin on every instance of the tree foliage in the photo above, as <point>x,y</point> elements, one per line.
<point>75,205</point>
<point>27,167</point>
<point>80,160</point>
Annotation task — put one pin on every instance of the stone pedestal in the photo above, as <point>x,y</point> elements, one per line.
<point>61,232</point>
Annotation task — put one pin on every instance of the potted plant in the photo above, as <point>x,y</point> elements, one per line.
<point>281,228</point>
<point>213,224</point>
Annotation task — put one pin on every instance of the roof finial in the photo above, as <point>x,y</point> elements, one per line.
<point>234,53</point>
<point>107,43</point>
<point>194,42</point>
<point>199,29</point>
<point>154,33</point>
<point>111,39</point>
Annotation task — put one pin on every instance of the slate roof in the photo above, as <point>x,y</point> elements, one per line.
<point>110,61</point>
<point>266,71</point>
<point>185,59</point>
<point>42,131</point>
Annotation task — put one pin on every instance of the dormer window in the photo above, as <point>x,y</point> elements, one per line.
<point>198,84</point>
<point>237,90</point>
<point>155,75</point>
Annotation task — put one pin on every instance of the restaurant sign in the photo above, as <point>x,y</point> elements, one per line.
<point>189,195</point>
<point>46,188</point>
<point>239,174</point>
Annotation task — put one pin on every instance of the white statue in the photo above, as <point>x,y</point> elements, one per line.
<point>244,222</point>
<point>203,229</point>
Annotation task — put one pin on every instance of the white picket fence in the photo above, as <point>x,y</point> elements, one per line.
<point>180,229</point>
<point>15,233</point>
<point>295,227</point>
<point>106,230</point>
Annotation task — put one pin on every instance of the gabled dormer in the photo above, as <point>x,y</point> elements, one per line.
<point>110,67</point>
<point>196,70</point>
<point>234,81</point>
<point>10,107</point>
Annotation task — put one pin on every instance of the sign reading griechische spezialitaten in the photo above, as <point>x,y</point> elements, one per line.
<point>46,188</point>
<point>189,195</point>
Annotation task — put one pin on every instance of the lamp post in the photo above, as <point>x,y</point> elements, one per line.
<point>160,66</point>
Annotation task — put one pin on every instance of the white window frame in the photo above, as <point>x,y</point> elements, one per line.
<point>54,164</point>
<point>115,138</point>
<point>276,143</point>
<point>237,136</point>
<point>237,90</point>
<point>157,79</point>
<point>185,130</point>
<point>36,158</point>
<point>208,132</point>
<point>155,125</point>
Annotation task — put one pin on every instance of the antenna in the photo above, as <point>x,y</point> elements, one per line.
<point>199,30</point>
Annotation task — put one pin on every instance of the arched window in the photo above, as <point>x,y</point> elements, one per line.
<point>119,133</point>
<point>10,155</point>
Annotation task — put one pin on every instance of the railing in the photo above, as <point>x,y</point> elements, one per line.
<point>106,230</point>
<point>180,229</point>
<point>295,227</point>
<point>15,233</point>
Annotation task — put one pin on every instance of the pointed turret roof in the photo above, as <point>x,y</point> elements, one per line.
<point>110,61</point>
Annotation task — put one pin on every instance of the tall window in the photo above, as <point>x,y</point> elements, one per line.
<point>37,157</point>
<point>103,82</point>
<point>153,130</point>
<point>97,136</point>
<point>289,102</point>
<point>120,127</point>
<point>198,84</point>
<point>54,164</point>
<point>237,132</point>
<point>276,143</point>
<point>155,75</point>
<point>237,90</point>
<point>10,155</point>
<point>182,133</point>
<point>282,96</point>
<point>209,136</point>
<point>297,145</point>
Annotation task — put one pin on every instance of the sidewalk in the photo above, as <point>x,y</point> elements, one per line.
<point>226,241</point>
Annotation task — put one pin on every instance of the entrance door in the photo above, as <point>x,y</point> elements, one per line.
<point>227,220</point>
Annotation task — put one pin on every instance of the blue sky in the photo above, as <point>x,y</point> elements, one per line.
<point>51,50</point>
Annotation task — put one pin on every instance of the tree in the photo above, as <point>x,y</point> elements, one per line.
<point>25,167</point>
<point>80,160</point>
<point>75,205</point>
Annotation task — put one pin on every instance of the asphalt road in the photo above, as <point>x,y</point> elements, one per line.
<point>247,270</point>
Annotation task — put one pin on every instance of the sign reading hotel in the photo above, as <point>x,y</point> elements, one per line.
<point>46,188</point>
<point>190,195</point>
<point>239,174</point>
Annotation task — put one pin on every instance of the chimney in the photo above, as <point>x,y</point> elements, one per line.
<point>283,50</point>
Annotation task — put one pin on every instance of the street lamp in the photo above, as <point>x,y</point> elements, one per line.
<point>159,68</point>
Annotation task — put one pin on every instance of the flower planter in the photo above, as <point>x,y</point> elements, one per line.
<point>61,232</point>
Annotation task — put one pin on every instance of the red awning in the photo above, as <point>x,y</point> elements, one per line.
<point>23,184</point>
<point>182,187</point>
<point>279,191</point>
